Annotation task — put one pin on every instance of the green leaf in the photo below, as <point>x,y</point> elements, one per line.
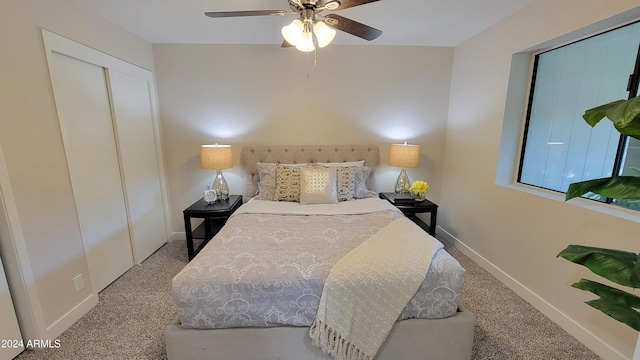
<point>617,187</point>
<point>594,115</point>
<point>624,114</point>
<point>631,129</point>
<point>622,313</point>
<point>635,274</point>
<point>615,265</point>
<point>610,293</point>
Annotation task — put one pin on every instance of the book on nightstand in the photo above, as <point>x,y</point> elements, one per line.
<point>402,199</point>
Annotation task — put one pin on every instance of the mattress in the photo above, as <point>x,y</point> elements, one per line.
<point>267,265</point>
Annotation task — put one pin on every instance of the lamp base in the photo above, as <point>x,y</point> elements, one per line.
<point>221,187</point>
<point>403,184</point>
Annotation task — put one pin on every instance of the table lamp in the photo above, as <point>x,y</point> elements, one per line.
<point>217,157</point>
<point>404,156</point>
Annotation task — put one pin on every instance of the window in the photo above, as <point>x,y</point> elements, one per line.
<point>559,147</point>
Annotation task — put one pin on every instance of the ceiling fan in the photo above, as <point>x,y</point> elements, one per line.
<point>312,29</point>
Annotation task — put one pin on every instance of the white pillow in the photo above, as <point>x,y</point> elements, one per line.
<point>267,179</point>
<point>287,183</point>
<point>346,182</point>
<point>362,174</point>
<point>346,163</point>
<point>318,185</point>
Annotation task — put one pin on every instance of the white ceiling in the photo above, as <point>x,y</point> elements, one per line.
<point>404,22</point>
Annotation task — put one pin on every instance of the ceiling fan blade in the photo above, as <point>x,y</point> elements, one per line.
<point>344,4</point>
<point>352,27</point>
<point>225,14</point>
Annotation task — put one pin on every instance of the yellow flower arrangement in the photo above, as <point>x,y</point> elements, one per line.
<point>419,187</point>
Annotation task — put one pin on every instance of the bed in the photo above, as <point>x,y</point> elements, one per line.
<point>254,290</point>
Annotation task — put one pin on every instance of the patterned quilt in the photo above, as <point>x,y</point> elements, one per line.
<point>268,264</point>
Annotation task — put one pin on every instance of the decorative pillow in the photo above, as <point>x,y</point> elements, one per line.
<point>346,182</point>
<point>343,164</point>
<point>287,183</point>
<point>362,174</point>
<point>266,181</point>
<point>318,185</point>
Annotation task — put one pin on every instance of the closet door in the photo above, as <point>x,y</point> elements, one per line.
<point>84,112</point>
<point>9,331</point>
<point>132,109</point>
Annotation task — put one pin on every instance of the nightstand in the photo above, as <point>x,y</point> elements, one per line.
<point>214,215</point>
<point>410,211</point>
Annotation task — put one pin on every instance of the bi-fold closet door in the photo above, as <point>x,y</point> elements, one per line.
<point>106,112</point>
<point>9,330</point>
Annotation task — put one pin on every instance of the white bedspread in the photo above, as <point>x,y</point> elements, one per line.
<point>367,289</point>
<point>268,264</point>
<point>360,206</point>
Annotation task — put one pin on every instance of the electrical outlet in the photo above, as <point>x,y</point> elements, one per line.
<point>78,283</point>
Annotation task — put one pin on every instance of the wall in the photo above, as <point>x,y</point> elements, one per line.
<point>516,233</point>
<point>33,150</point>
<point>260,94</point>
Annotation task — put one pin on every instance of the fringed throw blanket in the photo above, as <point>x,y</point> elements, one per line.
<point>367,289</point>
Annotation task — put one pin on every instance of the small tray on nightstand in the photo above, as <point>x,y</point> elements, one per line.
<point>400,199</point>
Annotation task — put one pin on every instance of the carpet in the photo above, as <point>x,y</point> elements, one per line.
<point>133,311</point>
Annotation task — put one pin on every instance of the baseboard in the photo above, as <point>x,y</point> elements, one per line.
<point>178,236</point>
<point>59,326</point>
<point>583,335</point>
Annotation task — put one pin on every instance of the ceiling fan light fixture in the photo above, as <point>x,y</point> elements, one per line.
<point>293,32</point>
<point>306,42</point>
<point>300,35</point>
<point>324,34</point>
<point>312,30</point>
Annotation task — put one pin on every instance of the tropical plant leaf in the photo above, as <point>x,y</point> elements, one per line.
<point>617,187</point>
<point>632,129</point>
<point>621,267</point>
<point>624,314</point>
<point>610,293</point>
<point>594,115</point>
<point>624,114</point>
<point>615,265</point>
<point>635,274</point>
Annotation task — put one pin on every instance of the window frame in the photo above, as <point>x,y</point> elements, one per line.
<point>632,87</point>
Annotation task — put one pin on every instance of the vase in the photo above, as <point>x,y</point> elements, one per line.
<point>421,196</point>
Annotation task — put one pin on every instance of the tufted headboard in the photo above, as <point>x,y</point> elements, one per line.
<point>296,154</point>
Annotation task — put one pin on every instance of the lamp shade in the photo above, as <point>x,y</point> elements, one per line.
<point>306,42</point>
<point>301,34</point>
<point>404,155</point>
<point>324,34</point>
<point>215,157</point>
<point>293,32</point>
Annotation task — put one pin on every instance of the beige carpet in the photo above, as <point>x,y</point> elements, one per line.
<point>128,322</point>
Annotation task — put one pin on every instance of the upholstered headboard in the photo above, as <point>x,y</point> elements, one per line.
<point>296,154</point>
